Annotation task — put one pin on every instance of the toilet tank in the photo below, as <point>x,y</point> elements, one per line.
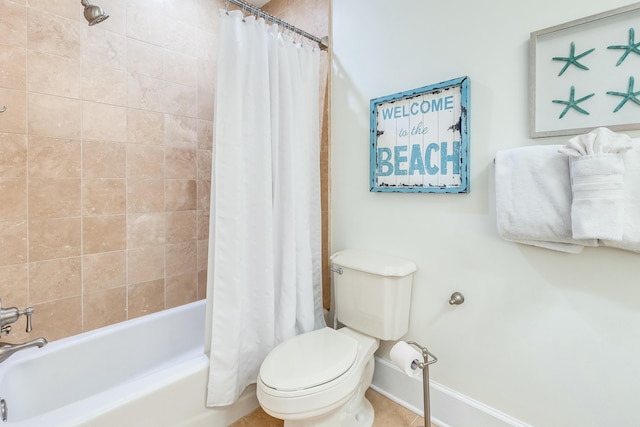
<point>373,292</point>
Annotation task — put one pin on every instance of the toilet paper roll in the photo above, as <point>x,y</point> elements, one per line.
<point>406,358</point>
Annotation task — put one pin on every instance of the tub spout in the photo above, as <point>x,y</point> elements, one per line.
<point>6,349</point>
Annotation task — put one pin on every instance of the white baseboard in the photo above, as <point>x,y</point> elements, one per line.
<point>448,407</point>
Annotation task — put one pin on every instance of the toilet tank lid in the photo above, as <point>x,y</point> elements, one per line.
<point>374,263</point>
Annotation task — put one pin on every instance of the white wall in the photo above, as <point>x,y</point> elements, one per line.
<point>548,338</point>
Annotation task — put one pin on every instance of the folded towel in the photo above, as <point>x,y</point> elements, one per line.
<point>631,201</point>
<point>596,168</point>
<point>533,198</point>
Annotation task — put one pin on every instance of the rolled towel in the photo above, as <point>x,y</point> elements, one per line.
<point>598,141</point>
<point>631,214</point>
<point>596,169</point>
<point>533,198</point>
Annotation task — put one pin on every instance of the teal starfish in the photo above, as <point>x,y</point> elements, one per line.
<point>629,95</point>
<point>573,58</point>
<point>573,103</point>
<point>631,47</point>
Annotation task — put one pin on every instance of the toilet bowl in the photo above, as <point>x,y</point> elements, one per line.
<point>318,379</point>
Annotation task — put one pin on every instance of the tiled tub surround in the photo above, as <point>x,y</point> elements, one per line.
<point>105,156</point>
<point>105,159</point>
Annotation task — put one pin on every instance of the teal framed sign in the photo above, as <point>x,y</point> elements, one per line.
<point>420,139</point>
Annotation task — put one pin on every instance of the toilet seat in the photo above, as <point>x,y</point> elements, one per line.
<point>309,360</point>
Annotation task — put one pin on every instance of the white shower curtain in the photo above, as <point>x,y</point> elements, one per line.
<point>265,235</point>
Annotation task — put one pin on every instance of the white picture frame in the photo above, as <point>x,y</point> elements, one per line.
<point>587,55</point>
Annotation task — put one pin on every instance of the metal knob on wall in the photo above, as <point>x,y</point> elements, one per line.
<point>3,109</point>
<point>456,298</point>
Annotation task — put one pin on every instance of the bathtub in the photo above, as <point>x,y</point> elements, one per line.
<point>150,371</point>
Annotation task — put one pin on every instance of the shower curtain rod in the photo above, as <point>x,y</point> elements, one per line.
<point>323,42</point>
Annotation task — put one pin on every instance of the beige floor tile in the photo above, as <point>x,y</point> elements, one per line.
<point>258,418</point>
<point>389,413</point>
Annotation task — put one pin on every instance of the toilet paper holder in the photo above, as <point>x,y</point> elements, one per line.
<point>425,354</point>
<point>424,365</point>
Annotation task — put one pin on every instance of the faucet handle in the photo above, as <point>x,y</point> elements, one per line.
<point>11,315</point>
<point>28,312</point>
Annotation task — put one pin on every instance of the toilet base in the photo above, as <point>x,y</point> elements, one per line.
<point>356,412</point>
<point>362,417</point>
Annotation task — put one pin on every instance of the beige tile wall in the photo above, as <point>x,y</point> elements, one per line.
<point>105,159</point>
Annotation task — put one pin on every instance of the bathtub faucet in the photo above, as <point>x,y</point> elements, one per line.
<point>6,349</point>
<point>11,315</point>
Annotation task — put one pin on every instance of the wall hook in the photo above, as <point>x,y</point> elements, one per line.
<point>456,298</point>
<point>3,109</point>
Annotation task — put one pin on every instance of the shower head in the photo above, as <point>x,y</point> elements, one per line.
<point>93,14</point>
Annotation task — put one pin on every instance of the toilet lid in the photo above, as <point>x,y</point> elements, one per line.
<point>308,360</point>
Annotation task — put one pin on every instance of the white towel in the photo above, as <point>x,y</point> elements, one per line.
<point>596,169</point>
<point>533,198</point>
<point>631,212</point>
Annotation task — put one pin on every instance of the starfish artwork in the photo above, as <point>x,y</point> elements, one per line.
<point>628,48</point>
<point>629,95</point>
<point>572,59</point>
<point>573,103</point>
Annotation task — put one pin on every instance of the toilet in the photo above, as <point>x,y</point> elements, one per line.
<point>318,379</point>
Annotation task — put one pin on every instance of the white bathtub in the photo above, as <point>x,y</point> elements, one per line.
<point>149,371</point>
